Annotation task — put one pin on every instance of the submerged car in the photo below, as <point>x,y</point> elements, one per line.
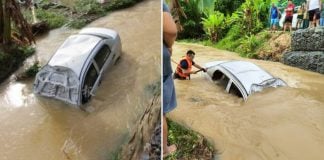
<point>241,78</point>
<point>75,70</point>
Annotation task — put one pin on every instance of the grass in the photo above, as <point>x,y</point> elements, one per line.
<point>245,46</point>
<point>54,19</point>
<point>190,144</point>
<point>12,59</point>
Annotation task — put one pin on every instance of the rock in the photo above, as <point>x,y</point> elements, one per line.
<point>308,39</point>
<point>309,60</point>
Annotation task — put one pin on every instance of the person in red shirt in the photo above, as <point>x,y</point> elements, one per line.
<point>289,15</point>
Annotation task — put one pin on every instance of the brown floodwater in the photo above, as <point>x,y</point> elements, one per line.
<point>39,128</point>
<point>279,123</point>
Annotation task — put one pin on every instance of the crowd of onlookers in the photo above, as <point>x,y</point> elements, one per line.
<point>310,14</point>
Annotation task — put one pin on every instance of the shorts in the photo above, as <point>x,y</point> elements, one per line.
<point>300,17</point>
<point>169,95</point>
<point>288,19</point>
<point>274,21</point>
<point>315,12</point>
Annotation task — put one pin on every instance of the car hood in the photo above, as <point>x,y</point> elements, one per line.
<point>58,82</point>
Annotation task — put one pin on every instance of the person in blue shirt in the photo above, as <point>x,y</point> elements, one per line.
<point>169,95</point>
<point>274,14</point>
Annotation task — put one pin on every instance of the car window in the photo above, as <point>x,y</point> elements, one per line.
<point>102,55</point>
<point>220,78</point>
<point>91,76</point>
<point>235,91</point>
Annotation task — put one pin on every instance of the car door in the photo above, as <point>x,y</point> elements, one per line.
<point>101,61</point>
<point>90,82</point>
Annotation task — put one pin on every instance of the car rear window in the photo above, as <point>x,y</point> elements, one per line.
<point>102,56</point>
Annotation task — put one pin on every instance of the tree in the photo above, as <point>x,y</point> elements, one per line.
<point>213,24</point>
<point>227,7</point>
<point>10,12</point>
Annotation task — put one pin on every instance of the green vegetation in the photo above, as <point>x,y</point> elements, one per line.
<point>32,70</point>
<point>193,28</point>
<point>213,24</point>
<point>238,25</point>
<point>190,144</point>
<point>54,19</point>
<point>13,58</point>
<point>116,155</point>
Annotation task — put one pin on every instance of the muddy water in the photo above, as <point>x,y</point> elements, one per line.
<point>282,124</point>
<point>39,128</point>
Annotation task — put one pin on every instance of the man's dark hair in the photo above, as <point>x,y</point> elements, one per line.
<point>191,52</point>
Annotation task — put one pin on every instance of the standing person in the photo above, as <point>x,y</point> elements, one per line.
<point>289,15</point>
<point>274,14</point>
<point>305,18</point>
<point>314,8</point>
<point>169,96</point>
<point>300,16</point>
<point>322,14</point>
<point>184,68</point>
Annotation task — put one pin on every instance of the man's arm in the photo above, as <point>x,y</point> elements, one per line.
<point>169,29</point>
<point>199,67</point>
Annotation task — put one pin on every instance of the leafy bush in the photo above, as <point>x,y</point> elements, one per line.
<point>77,23</point>
<point>54,19</point>
<point>32,70</point>
<point>12,59</point>
<point>120,4</point>
<point>227,7</point>
<point>88,7</point>
<point>248,45</point>
<point>192,26</point>
<point>231,40</point>
<point>213,24</point>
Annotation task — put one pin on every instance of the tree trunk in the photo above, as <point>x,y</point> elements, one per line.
<point>7,23</point>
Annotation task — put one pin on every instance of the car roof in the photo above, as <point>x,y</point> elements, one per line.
<point>247,73</point>
<point>100,32</point>
<point>74,52</point>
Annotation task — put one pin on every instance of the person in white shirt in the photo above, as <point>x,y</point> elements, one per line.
<point>314,12</point>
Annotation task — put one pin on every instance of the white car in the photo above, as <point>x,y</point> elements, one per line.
<point>240,77</point>
<point>75,70</point>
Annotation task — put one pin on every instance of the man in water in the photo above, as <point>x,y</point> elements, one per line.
<point>184,68</point>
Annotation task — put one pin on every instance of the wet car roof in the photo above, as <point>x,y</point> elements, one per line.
<point>74,52</point>
<point>248,74</point>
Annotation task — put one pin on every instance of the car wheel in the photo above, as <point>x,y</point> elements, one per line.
<point>86,96</point>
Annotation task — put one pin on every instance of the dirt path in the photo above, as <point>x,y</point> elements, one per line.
<point>283,124</point>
